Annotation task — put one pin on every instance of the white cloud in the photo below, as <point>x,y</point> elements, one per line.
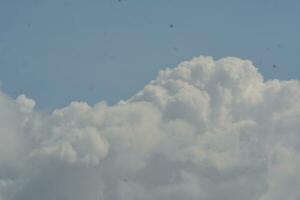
<point>26,105</point>
<point>207,129</point>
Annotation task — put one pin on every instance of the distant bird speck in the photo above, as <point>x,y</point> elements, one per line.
<point>91,88</point>
<point>66,3</point>
<point>274,66</point>
<point>171,25</point>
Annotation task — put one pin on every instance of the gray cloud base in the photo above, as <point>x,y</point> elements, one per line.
<point>206,130</point>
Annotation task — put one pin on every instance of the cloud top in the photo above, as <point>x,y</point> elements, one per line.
<point>207,129</point>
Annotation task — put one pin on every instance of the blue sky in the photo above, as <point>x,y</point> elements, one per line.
<point>58,51</point>
<point>209,129</point>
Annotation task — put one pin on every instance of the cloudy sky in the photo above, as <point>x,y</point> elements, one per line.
<point>143,100</point>
<point>107,50</point>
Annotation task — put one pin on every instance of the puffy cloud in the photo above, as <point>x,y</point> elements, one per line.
<point>207,129</point>
<point>25,104</point>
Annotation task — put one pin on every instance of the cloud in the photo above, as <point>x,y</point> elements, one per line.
<point>207,129</point>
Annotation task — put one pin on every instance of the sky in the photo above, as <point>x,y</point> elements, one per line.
<point>207,129</point>
<point>61,51</point>
<point>143,100</point>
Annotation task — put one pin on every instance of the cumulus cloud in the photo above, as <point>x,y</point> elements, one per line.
<point>207,129</point>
